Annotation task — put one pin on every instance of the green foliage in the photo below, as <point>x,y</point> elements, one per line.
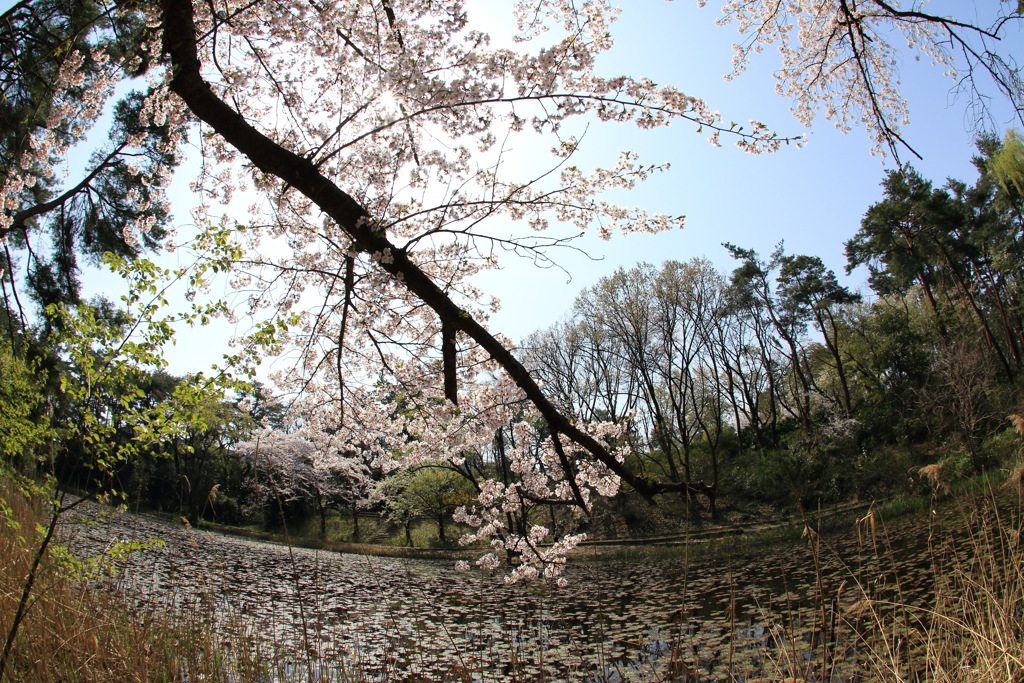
<point>100,420</point>
<point>1003,447</point>
<point>429,491</point>
<point>99,386</point>
<point>115,409</point>
<point>888,342</point>
<point>832,397</point>
<point>899,236</point>
<point>24,413</point>
<point>1007,164</point>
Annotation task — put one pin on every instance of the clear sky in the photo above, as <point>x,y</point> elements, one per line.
<point>813,197</point>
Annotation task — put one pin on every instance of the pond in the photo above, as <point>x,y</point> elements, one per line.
<point>736,619</point>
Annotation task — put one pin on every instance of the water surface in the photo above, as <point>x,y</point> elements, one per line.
<point>396,618</point>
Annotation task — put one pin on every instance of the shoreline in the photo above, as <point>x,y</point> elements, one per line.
<point>743,536</point>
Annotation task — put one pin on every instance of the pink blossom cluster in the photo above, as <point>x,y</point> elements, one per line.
<point>844,58</point>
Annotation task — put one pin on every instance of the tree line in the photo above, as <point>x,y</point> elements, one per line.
<point>776,383</point>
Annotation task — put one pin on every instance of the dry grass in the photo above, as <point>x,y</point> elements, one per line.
<point>1016,478</point>
<point>967,627</point>
<point>933,475</point>
<point>73,631</point>
<point>1018,423</point>
<point>975,625</point>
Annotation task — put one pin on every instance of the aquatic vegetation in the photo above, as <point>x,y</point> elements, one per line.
<point>932,598</point>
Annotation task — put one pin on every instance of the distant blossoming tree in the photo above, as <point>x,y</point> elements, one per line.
<point>290,466</point>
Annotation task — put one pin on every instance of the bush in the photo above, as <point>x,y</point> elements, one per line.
<point>1003,447</point>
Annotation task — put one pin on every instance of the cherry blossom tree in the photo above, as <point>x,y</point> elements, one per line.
<point>376,145</point>
<point>305,465</point>
<point>843,57</point>
<point>373,132</point>
<point>401,115</point>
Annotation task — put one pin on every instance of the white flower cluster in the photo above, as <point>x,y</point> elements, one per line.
<point>843,58</point>
<point>73,111</point>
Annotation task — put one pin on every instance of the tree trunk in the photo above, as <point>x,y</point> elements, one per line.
<point>712,502</point>
<point>832,344</point>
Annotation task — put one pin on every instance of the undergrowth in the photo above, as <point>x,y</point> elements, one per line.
<point>73,631</point>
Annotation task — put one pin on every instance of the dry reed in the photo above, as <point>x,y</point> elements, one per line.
<point>75,631</point>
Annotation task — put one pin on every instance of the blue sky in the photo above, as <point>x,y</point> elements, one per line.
<point>813,198</point>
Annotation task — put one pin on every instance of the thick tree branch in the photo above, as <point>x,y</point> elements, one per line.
<point>449,362</point>
<point>299,173</point>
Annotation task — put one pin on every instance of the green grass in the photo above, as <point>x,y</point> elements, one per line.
<point>749,542</point>
<point>908,504</point>
<point>904,506</point>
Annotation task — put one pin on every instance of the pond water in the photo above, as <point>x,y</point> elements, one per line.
<point>407,619</point>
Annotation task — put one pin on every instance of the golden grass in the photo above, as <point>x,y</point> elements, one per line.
<point>933,475</point>
<point>1018,423</point>
<point>74,632</point>
<point>968,627</point>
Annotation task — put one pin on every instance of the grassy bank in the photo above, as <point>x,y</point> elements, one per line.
<point>340,546</point>
<point>706,541</point>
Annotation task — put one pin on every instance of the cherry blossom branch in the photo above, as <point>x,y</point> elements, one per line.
<point>180,43</point>
<point>752,137</point>
<point>890,134</point>
<point>346,306</point>
<point>934,19</point>
<point>19,219</point>
<point>837,56</point>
